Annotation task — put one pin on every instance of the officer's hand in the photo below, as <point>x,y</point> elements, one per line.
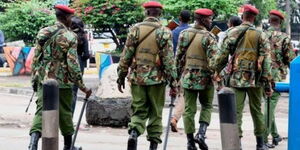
<point>35,86</point>
<point>173,92</point>
<point>121,84</point>
<point>217,77</point>
<point>269,92</point>
<point>88,92</point>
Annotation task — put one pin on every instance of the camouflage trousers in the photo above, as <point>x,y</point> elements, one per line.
<point>147,105</point>
<point>65,112</point>
<point>205,97</point>
<point>272,128</point>
<point>255,97</point>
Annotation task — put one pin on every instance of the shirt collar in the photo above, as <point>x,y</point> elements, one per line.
<point>151,19</point>
<point>197,26</point>
<point>273,29</point>
<point>248,24</point>
<point>59,24</point>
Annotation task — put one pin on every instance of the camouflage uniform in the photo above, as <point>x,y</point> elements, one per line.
<point>282,54</point>
<point>56,60</point>
<point>196,82</point>
<point>245,77</point>
<point>148,82</point>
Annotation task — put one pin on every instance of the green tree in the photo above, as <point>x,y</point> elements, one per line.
<point>223,9</point>
<point>115,16</point>
<point>23,19</point>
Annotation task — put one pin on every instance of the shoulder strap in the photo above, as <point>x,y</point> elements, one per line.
<point>188,46</point>
<point>42,42</point>
<point>240,37</point>
<point>47,41</point>
<point>155,26</point>
<point>53,35</point>
<point>146,35</point>
<point>195,33</point>
<point>192,39</point>
<point>231,61</point>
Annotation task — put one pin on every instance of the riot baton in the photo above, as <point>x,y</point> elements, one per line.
<point>169,120</point>
<point>268,113</point>
<point>78,124</point>
<point>29,102</point>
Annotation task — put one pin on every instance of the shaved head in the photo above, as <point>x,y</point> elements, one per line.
<point>153,12</point>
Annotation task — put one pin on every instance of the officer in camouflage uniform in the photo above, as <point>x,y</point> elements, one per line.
<point>56,58</point>
<point>149,55</point>
<point>196,48</point>
<point>250,70</point>
<point>282,54</point>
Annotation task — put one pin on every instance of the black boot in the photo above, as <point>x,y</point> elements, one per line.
<point>68,143</point>
<point>34,139</point>
<point>276,140</point>
<point>260,143</point>
<point>132,140</point>
<point>191,142</point>
<point>153,145</point>
<point>200,136</point>
<point>269,145</point>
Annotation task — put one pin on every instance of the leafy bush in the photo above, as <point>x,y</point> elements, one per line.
<point>223,9</point>
<point>115,16</point>
<point>23,19</point>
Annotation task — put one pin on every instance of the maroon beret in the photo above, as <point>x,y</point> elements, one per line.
<point>204,12</point>
<point>277,13</point>
<point>65,8</point>
<point>250,8</point>
<point>152,4</point>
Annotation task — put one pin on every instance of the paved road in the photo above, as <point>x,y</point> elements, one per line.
<point>15,124</point>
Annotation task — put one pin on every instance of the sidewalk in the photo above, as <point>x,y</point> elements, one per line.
<point>15,92</point>
<point>15,124</point>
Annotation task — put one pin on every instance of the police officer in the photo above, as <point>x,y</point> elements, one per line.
<point>282,54</point>
<point>56,58</point>
<point>250,70</point>
<point>149,54</point>
<point>196,48</point>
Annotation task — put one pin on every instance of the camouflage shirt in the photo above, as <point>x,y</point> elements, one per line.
<point>242,78</point>
<point>281,53</point>
<point>144,74</point>
<point>59,59</point>
<point>196,79</point>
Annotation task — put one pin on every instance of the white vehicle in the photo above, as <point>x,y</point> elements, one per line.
<point>100,42</point>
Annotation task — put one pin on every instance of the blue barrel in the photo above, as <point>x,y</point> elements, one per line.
<point>282,87</point>
<point>294,105</point>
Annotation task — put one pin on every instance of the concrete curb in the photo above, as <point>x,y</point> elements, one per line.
<point>15,91</point>
<point>5,70</point>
